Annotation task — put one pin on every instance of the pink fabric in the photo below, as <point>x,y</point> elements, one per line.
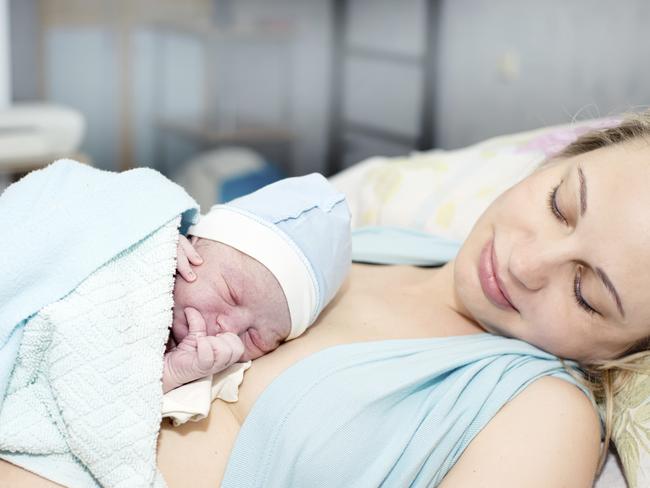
<point>551,143</point>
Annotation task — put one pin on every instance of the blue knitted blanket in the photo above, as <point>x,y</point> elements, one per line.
<point>88,263</point>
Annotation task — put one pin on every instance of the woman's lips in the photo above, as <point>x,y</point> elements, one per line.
<point>490,284</point>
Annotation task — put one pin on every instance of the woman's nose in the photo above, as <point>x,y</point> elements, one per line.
<point>534,261</point>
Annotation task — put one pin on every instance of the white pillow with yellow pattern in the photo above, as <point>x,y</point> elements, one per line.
<point>631,429</point>
<point>444,192</point>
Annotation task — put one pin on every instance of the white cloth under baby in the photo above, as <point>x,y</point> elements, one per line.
<point>192,401</point>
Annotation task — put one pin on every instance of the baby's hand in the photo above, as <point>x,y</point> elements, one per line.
<point>186,255</point>
<point>198,354</point>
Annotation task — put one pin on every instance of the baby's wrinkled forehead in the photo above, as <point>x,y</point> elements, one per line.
<point>248,282</point>
<point>237,268</point>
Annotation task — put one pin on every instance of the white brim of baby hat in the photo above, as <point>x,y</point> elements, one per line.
<point>274,249</point>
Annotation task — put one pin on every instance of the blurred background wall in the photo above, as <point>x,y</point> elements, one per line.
<point>317,85</point>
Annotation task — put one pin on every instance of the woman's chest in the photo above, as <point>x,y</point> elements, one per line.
<point>375,304</point>
<point>378,307</point>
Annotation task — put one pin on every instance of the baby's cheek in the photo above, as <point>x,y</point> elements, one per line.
<point>179,331</point>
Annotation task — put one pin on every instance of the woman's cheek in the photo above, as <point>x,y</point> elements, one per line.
<point>555,333</point>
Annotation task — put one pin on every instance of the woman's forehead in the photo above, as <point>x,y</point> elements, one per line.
<point>612,188</point>
<point>615,185</point>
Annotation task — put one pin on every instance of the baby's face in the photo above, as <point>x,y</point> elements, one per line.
<point>234,293</point>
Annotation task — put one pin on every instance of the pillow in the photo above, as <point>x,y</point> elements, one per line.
<point>444,192</point>
<point>631,429</point>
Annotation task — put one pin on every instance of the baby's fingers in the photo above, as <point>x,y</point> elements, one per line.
<point>191,253</point>
<point>184,268</point>
<point>204,356</point>
<point>196,329</point>
<point>227,349</point>
<point>186,256</point>
<point>195,321</point>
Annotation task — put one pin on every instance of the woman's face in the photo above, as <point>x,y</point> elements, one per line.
<point>562,259</point>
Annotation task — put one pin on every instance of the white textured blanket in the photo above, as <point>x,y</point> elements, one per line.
<point>84,401</point>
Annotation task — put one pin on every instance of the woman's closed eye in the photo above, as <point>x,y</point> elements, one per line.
<point>552,205</point>
<point>577,294</point>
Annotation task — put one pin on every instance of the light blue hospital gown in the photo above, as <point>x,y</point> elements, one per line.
<point>391,413</point>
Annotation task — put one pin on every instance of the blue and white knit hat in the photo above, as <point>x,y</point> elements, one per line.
<point>299,228</point>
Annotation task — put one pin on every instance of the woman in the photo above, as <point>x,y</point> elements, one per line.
<point>554,261</point>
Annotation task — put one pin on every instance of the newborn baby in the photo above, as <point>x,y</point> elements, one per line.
<point>271,261</point>
<point>212,329</point>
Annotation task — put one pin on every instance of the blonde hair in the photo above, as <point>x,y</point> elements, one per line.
<point>605,378</point>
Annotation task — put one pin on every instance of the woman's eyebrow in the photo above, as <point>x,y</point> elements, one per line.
<point>583,191</point>
<point>601,274</point>
<point>610,288</point>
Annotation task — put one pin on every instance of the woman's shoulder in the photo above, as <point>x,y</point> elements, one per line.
<point>548,435</point>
